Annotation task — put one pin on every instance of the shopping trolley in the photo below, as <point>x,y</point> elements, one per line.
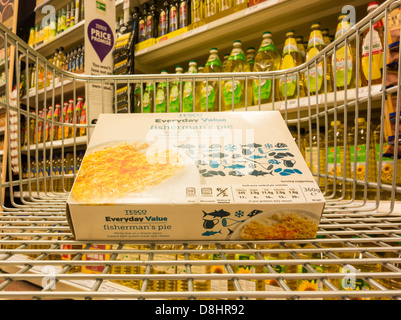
<point>358,241</point>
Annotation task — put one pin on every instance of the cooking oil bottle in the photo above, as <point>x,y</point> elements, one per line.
<point>237,93</point>
<point>250,56</point>
<point>273,284</point>
<point>161,96</point>
<point>210,90</point>
<point>148,98</point>
<point>123,269</point>
<point>291,57</point>
<point>266,59</point>
<point>351,281</point>
<point>198,285</point>
<point>326,37</point>
<point>248,285</point>
<point>315,154</point>
<point>175,92</point>
<point>386,164</point>
<point>362,161</point>
<point>392,283</point>
<point>189,90</point>
<point>376,47</point>
<point>301,47</point>
<point>314,284</point>
<point>314,77</point>
<point>164,285</point>
<point>225,4</point>
<point>211,7</point>
<point>344,63</point>
<point>335,161</point>
<point>196,11</point>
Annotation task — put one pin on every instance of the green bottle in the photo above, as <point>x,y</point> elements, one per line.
<point>210,89</point>
<point>175,96</point>
<point>188,96</point>
<point>161,96</point>
<point>267,59</point>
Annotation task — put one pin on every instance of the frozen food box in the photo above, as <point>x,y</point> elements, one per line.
<point>194,176</point>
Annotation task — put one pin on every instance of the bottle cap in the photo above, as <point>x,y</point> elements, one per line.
<point>373,5</point>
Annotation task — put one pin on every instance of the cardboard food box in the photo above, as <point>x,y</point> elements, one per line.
<point>194,176</point>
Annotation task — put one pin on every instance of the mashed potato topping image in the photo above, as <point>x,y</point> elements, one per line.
<point>280,225</point>
<point>115,171</point>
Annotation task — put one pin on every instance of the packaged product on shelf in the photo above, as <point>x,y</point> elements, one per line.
<point>351,281</point>
<point>174,16</point>
<point>87,268</point>
<point>335,161</point>
<point>163,19</point>
<point>267,59</point>
<point>344,66</point>
<point>241,175</point>
<point>325,34</point>
<point>151,21</point>
<point>148,98</point>
<point>301,47</point>
<point>291,57</point>
<point>82,121</point>
<point>362,157</point>
<point>196,11</point>
<point>314,77</point>
<point>142,24</point>
<point>210,90</point>
<point>225,4</point>
<point>175,92</point>
<point>387,164</point>
<point>376,48</point>
<point>234,90</point>
<point>189,94</point>
<point>185,14</point>
<point>211,8</point>
<point>161,96</point>
<point>393,30</point>
<point>315,153</point>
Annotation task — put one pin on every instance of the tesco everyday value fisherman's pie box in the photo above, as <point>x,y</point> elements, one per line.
<point>194,176</point>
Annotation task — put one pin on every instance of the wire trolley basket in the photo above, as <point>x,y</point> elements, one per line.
<point>357,251</point>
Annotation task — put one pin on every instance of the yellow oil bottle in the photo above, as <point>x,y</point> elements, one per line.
<point>301,47</point>
<point>335,160</point>
<point>291,57</point>
<point>345,63</point>
<point>210,90</point>
<point>237,93</point>
<point>266,59</point>
<point>164,285</point>
<point>314,77</point>
<point>351,281</point>
<point>175,92</point>
<point>315,154</point>
<point>363,157</point>
<point>125,269</point>
<point>386,168</point>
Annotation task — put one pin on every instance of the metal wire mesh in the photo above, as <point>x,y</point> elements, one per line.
<point>356,255</point>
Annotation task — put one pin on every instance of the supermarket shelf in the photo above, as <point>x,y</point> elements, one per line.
<point>292,106</point>
<point>66,87</point>
<point>65,39</point>
<point>57,144</point>
<point>246,25</point>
